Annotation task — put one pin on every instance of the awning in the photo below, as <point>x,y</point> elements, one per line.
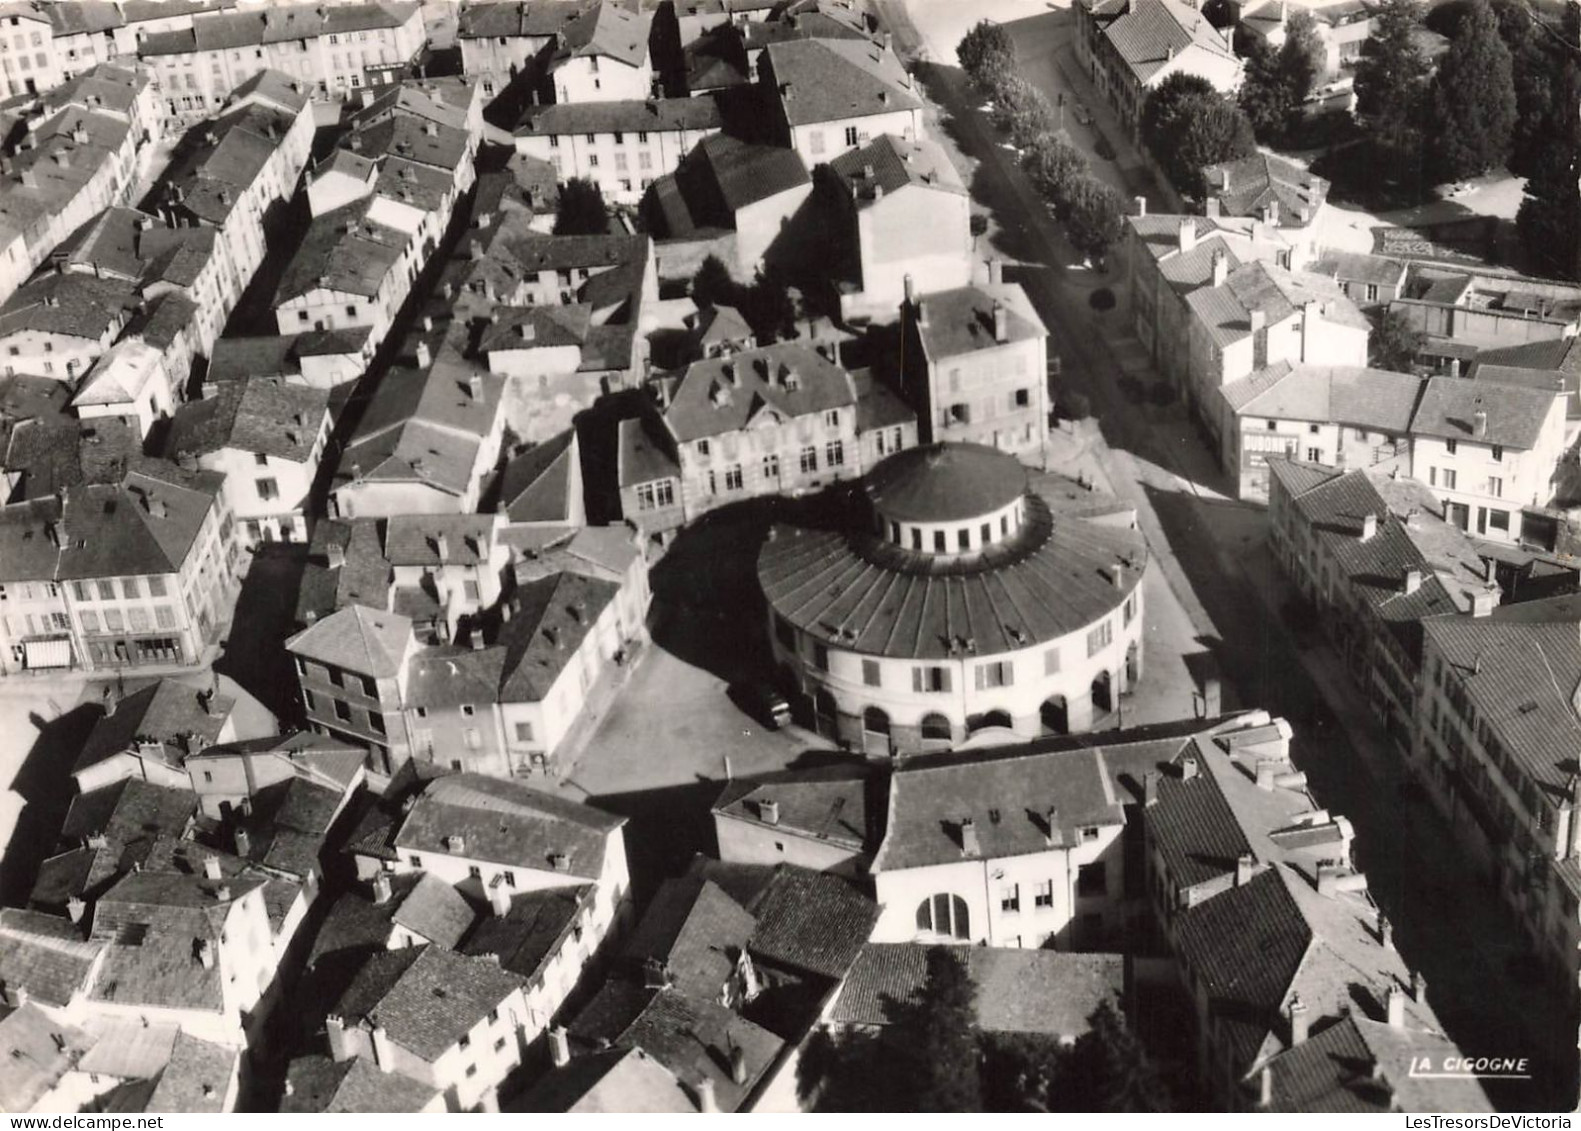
<point>47,653</point>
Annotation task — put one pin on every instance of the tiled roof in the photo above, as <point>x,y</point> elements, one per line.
<point>72,305</point>
<point>434,910</point>
<point>945,483</point>
<point>877,405</point>
<point>509,824</point>
<point>535,485</point>
<point>129,808</point>
<point>642,458</point>
<point>827,80</point>
<point>811,921</point>
<point>1008,794</point>
<point>129,1048</point>
<point>532,932</point>
<point>605,29</point>
<point>1355,267</point>
<point>782,382</point>
<point>437,145</point>
<point>1514,415</point>
<point>1225,311</point>
<point>654,115</point>
<point>45,956</point>
<point>553,617</point>
<point>426,998</point>
<point>839,804</point>
<point>1246,186</point>
<point>53,455</point>
<point>722,175</point>
<point>35,1053</point>
<point>692,1038</point>
<point>357,638</point>
<point>1149,34</point>
<point>198,1079</point>
<point>618,1080</point>
<point>1354,396</point>
<point>26,552</point>
<point>1018,991</point>
<point>257,415</point>
<point>696,932</point>
<point>961,321</point>
<point>1055,579</point>
<point>217,161</point>
<point>344,251</point>
<point>364,579</point>
<point>166,713</point>
<point>147,525</point>
<point>318,1084</point>
<point>1518,666</point>
<point>1194,829</point>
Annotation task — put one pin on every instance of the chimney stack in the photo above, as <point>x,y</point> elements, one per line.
<point>442,547</point>
<point>244,842</point>
<point>1139,205</point>
<point>707,1102</point>
<point>336,554</point>
<point>996,271</point>
<point>1001,323</point>
<point>1243,869</point>
<point>499,896</point>
<point>911,291</point>
<point>211,867</point>
<point>1299,1020</point>
<point>738,1065</point>
<point>559,1046</point>
<point>969,843</point>
<point>1418,988</point>
<point>206,953</point>
<point>1150,787</point>
<point>381,888</point>
<point>769,811</point>
<point>75,909</point>
<point>1221,268</point>
<point>423,357</point>
<point>1369,527</point>
<point>381,1048</point>
<point>475,386</point>
<point>1188,767</point>
<point>1413,580</point>
<point>1479,422</point>
<point>1395,1004</point>
<point>1310,312</point>
<point>1187,233</point>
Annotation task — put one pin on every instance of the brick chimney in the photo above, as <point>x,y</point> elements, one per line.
<point>1299,1020</point>
<point>970,846</point>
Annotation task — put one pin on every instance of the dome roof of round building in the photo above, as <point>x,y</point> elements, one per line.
<point>854,591</point>
<point>945,483</point>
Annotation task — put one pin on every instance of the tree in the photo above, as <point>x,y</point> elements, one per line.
<point>1394,342</point>
<point>946,1029</point>
<point>1094,217</point>
<point>1537,63</point>
<point>987,46</point>
<point>1265,96</point>
<point>1473,99</point>
<point>1187,125</point>
<point>1549,222</point>
<point>767,306</point>
<point>1053,165</point>
<point>712,284</point>
<point>1390,77</point>
<point>582,211</point>
<point>1111,1063</point>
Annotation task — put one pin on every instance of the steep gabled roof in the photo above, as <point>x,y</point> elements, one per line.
<point>359,639</point>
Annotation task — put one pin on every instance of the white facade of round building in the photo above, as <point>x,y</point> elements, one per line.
<point>966,600</point>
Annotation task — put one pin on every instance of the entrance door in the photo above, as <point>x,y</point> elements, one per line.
<point>1458,514</point>
<point>1482,520</point>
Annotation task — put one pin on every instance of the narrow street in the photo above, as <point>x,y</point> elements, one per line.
<point>1211,551</point>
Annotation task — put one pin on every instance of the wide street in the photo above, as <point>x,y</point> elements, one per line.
<point>1449,922</point>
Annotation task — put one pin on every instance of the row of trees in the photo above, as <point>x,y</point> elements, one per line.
<point>1278,82</point>
<point>1092,212</point>
<point>932,1057</point>
<point>1506,93</point>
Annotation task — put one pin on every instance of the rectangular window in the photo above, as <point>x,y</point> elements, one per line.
<point>1499,520</point>
<point>113,621</point>
<point>1051,662</point>
<point>815,141</point>
<point>1449,479</point>
<point>376,722</point>
<point>523,732</point>
<point>930,679</point>
<point>1043,893</point>
<point>1451,445</point>
<point>1128,614</point>
<point>473,738</point>
<point>809,460</point>
<point>370,687</point>
<point>1100,638</point>
<point>963,539</point>
<point>820,657</point>
<point>733,480</point>
<point>870,675</point>
<point>1498,452</point>
<point>336,676</point>
<point>107,590</point>
<point>1000,674</point>
<point>771,467</point>
<point>851,135</point>
<point>1496,486</point>
<point>164,616</point>
<point>343,710</point>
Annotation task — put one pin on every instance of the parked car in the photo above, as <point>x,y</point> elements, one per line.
<point>766,703</point>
